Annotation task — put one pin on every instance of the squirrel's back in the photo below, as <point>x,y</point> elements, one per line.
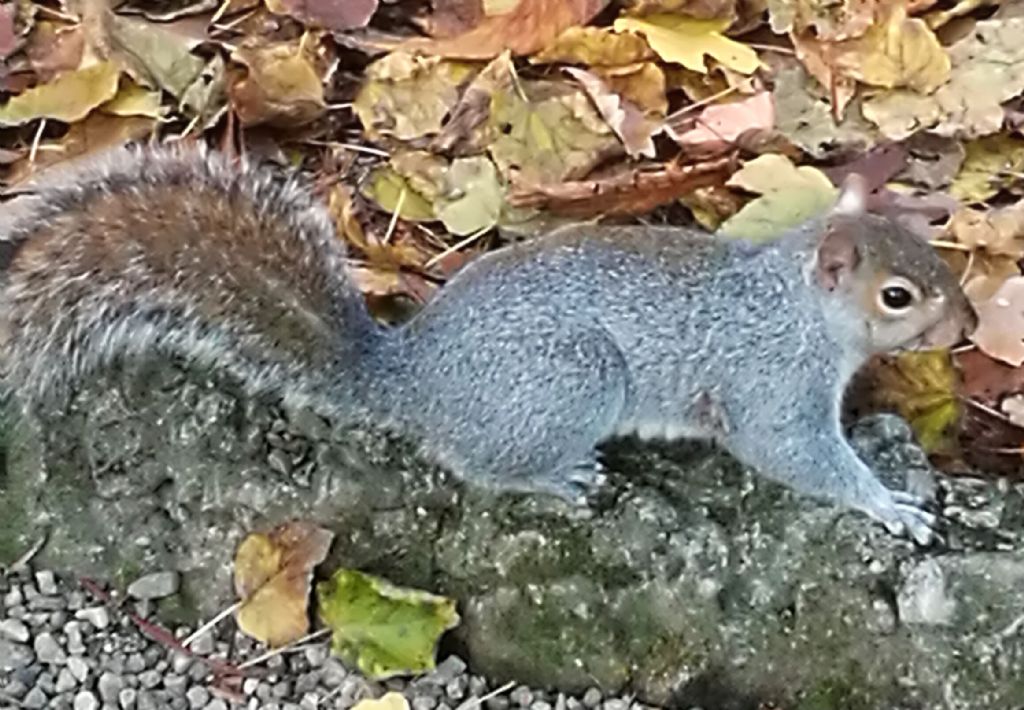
<point>177,250</point>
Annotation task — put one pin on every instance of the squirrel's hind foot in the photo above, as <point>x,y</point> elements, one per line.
<point>576,484</point>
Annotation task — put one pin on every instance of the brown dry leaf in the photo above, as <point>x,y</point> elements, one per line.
<point>643,84</point>
<point>282,88</point>
<point>629,192</point>
<point>635,128</point>
<point>895,52</point>
<point>97,133</point>
<point>454,17</point>
<point>328,14</point>
<point>273,573</point>
<point>719,126</point>
<point>829,21</point>
<point>1000,332</point>
<point>9,41</point>
<point>54,49</point>
<point>998,231</point>
<point>527,28</point>
<point>594,46</point>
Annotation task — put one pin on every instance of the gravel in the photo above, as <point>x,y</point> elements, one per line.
<point>61,648</point>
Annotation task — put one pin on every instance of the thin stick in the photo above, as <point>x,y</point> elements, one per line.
<point>394,215</point>
<point>457,247</point>
<point>210,624</point>
<point>284,649</point>
<point>473,702</point>
<point>699,104</point>
<point>35,142</point>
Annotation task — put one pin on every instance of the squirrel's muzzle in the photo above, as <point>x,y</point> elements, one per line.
<point>957,324</point>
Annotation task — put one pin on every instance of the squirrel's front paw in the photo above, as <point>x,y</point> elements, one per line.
<point>903,513</point>
<point>575,484</point>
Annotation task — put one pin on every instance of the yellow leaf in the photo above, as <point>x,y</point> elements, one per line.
<point>134,100</point>
<point>69,98</point>
<point>686,41</point>
<point>789,196</point>
<point>921,387</point>
<point>273,573</point>
<point>990,164</point>
<point>389,701</point>
<point>594,46</point>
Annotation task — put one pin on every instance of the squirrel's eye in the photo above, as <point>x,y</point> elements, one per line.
<point>896,297</point>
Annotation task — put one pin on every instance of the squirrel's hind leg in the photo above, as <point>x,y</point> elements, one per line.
<point>564,396</point>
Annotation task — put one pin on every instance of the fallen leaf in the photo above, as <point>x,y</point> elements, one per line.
<point>528,27</point>
<point>9,41</point>
<point>831,21</point>
<point>154,56</point>
<point>328,14</point>
<point>282,87</point>
<point>594,46</point>
<point>789,195</point>
<point>634,128</point>
<point>643,84</point>
<point>394,194</point>
<point>933,161</point>
<point>408,97</point>
<point>389,701</point>
<point>803,114</point>
<point>273,573</point>
<point>54,49</point>
<point>922,388</point>
<point>99,132</point>
<point>134,100</point>
<point>545,132</point>
<point>1000,332</point>
<point>69,98</point>
<point>987,69</point>
<point>896,51</point>
<point>998,231</point>
<point>381,629</point>
<point>473,196</point>
<point>686,41</point>
<point>719,126</point>
<point>990,164</point>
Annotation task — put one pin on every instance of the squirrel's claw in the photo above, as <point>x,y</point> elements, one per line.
<point>908,516</point>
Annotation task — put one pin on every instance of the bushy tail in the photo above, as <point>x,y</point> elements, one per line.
<point>177,252</point>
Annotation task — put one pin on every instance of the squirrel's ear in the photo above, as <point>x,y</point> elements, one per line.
<point>853,196</point>
<point>837,256</point>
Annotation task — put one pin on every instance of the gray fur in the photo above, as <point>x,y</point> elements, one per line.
<point>527,360</point>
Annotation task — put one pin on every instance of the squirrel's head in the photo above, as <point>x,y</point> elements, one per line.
<point>886,287</point>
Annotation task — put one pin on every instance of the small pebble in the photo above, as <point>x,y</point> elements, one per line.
<point>98,616</point>
<point>35,698</point>
<point>155,586</point>
<point>85,700</point>
<point>46,583</point>
<point>47,649</point>
<point>15,630</point>
<point>78,668</point>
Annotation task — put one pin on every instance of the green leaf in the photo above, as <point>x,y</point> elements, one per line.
<point>390,190</point>
<point>382,629</point>
<point>478,196</point>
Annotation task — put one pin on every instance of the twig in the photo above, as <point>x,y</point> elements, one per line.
<point>210,624</point>
<point>35,141</point>
<point>457,247</point>
<point>394,215</point>
<point>22,561</point>
<point>294,646</point>
<point>473,702</point>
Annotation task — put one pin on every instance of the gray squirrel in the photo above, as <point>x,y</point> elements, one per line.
<point>525,361</point>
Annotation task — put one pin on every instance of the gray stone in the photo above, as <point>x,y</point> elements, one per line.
<point>65,681</point>
<point>78,668</point>
<point>156,585</point>
<point>109,686</point>
<point>175,684</point>
<point>35,698</point>
<point>126,698</point>
<point>15,630</point>
<point>197,697</point>
<point>592,698</point>
<point>73,634</point>
<point>98,616</point>
<point>84,700</point>
<point>46,582</point>
<point>149,679</point>
<point>216,704</point>
<point>47,649</point>
<point>923,598</point>
<point>521,696</point>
